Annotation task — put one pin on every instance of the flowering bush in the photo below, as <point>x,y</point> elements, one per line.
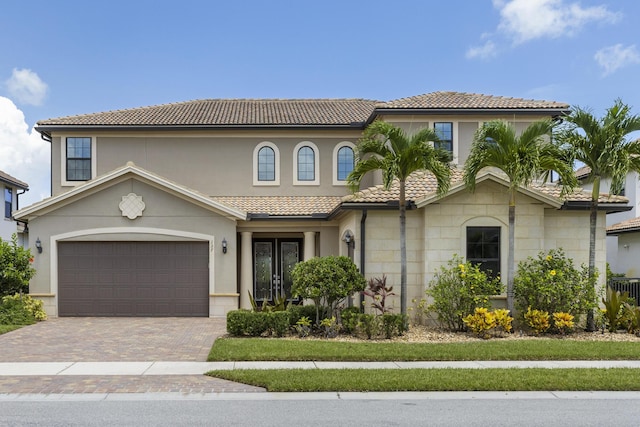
<point>563,322</point>
<point>551,283</point>
<point>457,289</point>
<point>483,322</point>
<point>15,267</point>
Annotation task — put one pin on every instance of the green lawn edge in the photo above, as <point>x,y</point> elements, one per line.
<point>385,380</point>
<point>248,349</point>
<point>8,328</point>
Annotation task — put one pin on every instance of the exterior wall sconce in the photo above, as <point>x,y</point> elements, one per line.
<point>347,238</point>
<point>224,245</point>
<point>39,245</point>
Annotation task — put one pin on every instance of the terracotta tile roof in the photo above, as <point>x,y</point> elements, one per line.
<point>422,184</point>
<point>281,205</point>
<point>583,172</point>
<point>208,112</point>
<point>632,224</point>
<point>5,177</point>
<point>470,101</point>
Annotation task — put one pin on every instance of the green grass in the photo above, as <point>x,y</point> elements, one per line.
<point>528,379</point>
<point>8,328</point>
<point>541,349</point>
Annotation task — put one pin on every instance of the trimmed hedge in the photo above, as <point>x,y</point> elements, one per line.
<point>257,323</point>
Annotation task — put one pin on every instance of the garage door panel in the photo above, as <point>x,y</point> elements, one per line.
<point>133,278</point>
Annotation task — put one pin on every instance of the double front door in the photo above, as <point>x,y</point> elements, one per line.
<point>273,261</point>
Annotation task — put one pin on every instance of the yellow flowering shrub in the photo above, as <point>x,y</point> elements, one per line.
<point>537,320</point>
<point>485,323</point>
<point>563,322</point>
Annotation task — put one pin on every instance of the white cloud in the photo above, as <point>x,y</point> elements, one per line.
<point>617,56</point>
<point>23,154</point>
<point>26,87</point>
<point>525,20</point>
<point>486,51</point>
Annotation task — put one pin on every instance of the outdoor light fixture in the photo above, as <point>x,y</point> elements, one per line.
<point>39,245</point>
<point>224,245</point>
<point>348,237</point>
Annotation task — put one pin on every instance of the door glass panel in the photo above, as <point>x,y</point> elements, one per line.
<point>288,260</point>
<point>263,270</point>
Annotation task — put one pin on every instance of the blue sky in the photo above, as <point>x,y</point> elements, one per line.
<point>75,57</point>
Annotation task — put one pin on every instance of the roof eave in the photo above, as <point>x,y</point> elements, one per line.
<point>609,208</point>
<point>622,231</point>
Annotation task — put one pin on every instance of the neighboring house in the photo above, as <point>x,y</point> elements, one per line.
<point>623,248</point>
<point>11,188</point>
<point>185,209</point>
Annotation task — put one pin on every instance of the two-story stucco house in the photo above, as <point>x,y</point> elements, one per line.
<point>185,209</point>
<point>11,188</point>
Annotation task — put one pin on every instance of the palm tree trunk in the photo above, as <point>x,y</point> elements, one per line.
<point>593,220</point>
<point>511,259</point>
<point>403,250</point>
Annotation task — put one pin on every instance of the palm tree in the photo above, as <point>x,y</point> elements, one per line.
<point>523,159</point>
<point>602,145</point>
<point>389,149</point>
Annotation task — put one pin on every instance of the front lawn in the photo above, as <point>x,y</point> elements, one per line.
<point>225,349</point>
<point>369,380</point>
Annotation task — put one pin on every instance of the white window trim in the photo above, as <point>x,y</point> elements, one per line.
<point>316,162</point>
<point>334,160</point>
<point>276,152</point>
<point>63,160</point>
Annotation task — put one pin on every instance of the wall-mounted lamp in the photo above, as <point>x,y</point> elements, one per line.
<point>224,246</point>
<point>626,246</point>
<point>347,238</point>
<point>39,245</point>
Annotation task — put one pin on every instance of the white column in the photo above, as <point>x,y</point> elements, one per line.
<point>309,244</point>
<point>246,269</point>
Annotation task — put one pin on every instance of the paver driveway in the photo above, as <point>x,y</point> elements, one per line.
<point>101,339</point>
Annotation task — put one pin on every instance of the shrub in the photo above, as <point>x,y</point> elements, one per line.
<point>15,267</point>
<point>349,317</point>
<point>330,327</point>
<point>368,325</point>
<point>563,322</point>
<point>551,283</point>
<point>457,289</point>
<point>255,324</point>
<point>33,306</point>
<point>303,327</point>
<point>485,323</point>
<point>537,320</point>
<point>394,325</point>
<point>613,308</point>
<point>296,312</point>
<point>327,281</point>
<point>630,318</point>
<point>378,291</point>
<point>13,311</point>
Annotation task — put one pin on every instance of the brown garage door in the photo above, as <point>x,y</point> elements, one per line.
<point>133,278</point>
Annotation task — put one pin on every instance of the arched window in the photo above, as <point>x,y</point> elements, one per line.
<point>266,164</point>
<point>344,159</point>
<point>345,162</point>
<point>305,164</point>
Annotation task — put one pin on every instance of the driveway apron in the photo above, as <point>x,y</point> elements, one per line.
<point>101,339</point>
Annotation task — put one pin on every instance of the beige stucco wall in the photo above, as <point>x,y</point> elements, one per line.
<point>628,261</point>
<point>215,162</point>
<point>166,217</point>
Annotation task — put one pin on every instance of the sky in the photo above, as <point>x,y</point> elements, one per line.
<point>75,57</point>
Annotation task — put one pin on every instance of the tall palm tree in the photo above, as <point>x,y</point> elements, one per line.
<point>389,149</point>
<point>523,158</point>
<point>602,144</point>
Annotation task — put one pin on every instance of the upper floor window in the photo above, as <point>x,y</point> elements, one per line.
<point>483,247</point>
<point>78,155</point>
<point>444,130</point>
<point>8,202</point>
<point>305,164</point>
<point>343,162</point>
<point>266,164</point>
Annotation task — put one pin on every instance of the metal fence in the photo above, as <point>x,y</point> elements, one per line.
<point>627,284</point>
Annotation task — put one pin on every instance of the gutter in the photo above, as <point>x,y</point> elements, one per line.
<point>609,208</point>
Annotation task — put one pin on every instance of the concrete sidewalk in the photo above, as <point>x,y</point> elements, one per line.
<point>198,368</point>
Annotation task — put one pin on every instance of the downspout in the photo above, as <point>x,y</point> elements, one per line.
<point>18,198</point>
<point>363,221</point>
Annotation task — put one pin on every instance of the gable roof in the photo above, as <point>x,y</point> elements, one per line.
<point>282,206</point>
<point>626,226</point>
<point>129,169</point>
<point>5,177</point>
<point>289,113</point>
<point>421,189</point>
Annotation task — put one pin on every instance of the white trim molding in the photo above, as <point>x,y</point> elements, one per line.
<point>316,163</point>
<point>334,160</point>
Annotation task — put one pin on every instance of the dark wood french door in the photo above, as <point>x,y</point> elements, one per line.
<point>273,261</point>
